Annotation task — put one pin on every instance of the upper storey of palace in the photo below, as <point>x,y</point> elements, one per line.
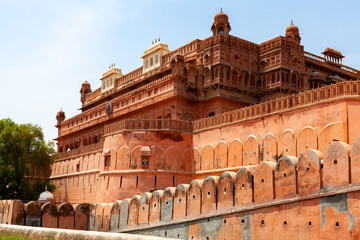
<point>201,56</point>
<point>237,69</point>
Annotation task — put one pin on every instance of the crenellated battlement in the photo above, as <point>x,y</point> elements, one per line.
<point>288,194</point>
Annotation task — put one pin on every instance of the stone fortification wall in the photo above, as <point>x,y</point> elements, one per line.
<point>314,196</point>
<point>50,233</point>
<point>182,151</point>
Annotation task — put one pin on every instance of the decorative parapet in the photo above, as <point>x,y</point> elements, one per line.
<point>346,88</point>
<point>82,150</point>
<point>323,60</point>
<point>98,114</point>
<point>148,125</point>
<point>298,192</point>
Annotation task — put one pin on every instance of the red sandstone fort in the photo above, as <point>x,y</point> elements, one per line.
<point>218,139</point>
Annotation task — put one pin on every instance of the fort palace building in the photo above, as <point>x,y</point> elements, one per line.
<point>210,106</point>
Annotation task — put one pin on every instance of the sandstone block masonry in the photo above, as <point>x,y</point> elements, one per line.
<point>136,156</point>
<point>293,197</point>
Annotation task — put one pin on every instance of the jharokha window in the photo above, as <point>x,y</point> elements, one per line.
<point>145,162</point>
<point>107,162</point>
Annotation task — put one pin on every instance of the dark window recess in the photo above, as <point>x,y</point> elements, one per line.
<point>145,162</point>
<point>107,162</point>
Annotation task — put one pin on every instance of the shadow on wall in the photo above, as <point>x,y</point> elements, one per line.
<point>290,177</point>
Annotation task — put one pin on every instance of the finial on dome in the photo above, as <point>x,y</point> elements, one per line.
<point>292,23</point>
<point>221,9</point>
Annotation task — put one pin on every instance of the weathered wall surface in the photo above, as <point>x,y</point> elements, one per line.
<point>183,157</point>
<point>315,196</point>
<point>197,149</point>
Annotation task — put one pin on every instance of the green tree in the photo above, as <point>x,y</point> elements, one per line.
<point>25,159</point>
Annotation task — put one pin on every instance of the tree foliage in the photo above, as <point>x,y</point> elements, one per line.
<point>25,159</point>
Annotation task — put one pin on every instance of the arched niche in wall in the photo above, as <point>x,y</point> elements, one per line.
<point>235,153</point>
<point>307,139</point>
<point>158,158</point>
<point>123,158</point>
<point>287,143</point>
<point>336,131</point>
<point>269,148</point>
<point>207,157</point>
<point>174,159</point>
<point>221,155</point>
<point>135,158</point>
<point>250,151</point>
<point>192,159</point>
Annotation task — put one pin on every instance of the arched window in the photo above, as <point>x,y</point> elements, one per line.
<point>207,76</point>
<point>252,81</point>
<point>151,62</point>
<point>246,79</point>
<point>293,79</point>
<point>287,77</point>
<point>273,78</point>
<point>234,77</point>
<point>156,59</point>
<point>221,30</point>
<point>185,72</point>
<point>146,63</point>
<point>263,82</point>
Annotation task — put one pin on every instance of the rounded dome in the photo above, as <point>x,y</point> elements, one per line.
<point>221,18</point>
<point>334,79</point>
<point>86,84</point>
<point>292,28</point>
<point>46,196</point>
<point>292,31</point>
<point>316,76</point>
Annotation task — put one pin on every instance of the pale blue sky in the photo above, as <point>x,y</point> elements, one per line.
<point>48,48</point>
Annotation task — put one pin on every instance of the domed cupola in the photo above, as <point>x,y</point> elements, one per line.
<point>46,196</point>
<point>85,89</point>
<point>316,79</point>
<point>221,25</point>
<point>292,31</point>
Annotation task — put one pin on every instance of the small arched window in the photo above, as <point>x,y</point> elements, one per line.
<point>221,30</point>
<point>234,77</point>
<point>156,59</point>
<point>146,63</point>
<point>151,62</point>
<point>207,75</point>
<point>252,81</point>
<point>293,79</point>
<point>287,77</point>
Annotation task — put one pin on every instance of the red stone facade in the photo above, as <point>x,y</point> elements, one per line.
<point>211,105</point>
